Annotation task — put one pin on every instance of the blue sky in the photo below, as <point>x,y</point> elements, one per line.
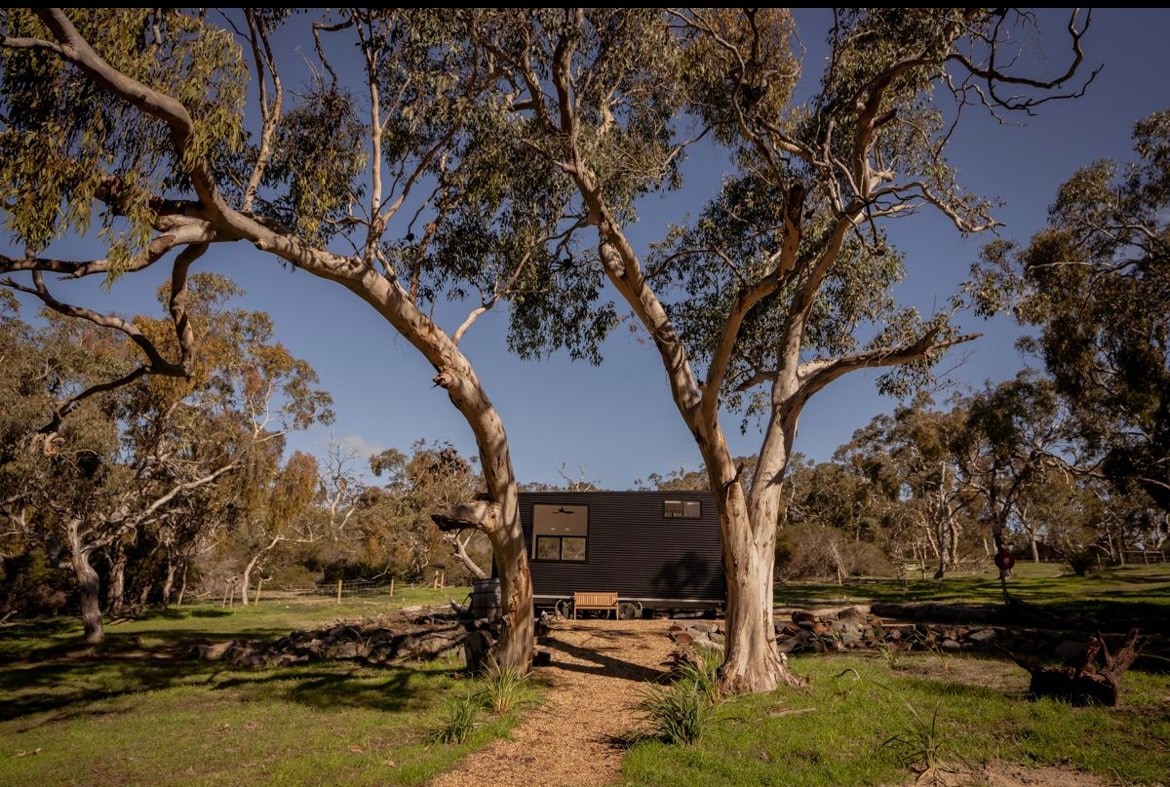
<point>616,423</point>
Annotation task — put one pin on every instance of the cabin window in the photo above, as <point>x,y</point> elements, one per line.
<point>560,532</point>
<point>682,509</point>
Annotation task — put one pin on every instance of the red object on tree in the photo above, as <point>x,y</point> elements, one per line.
<point>1005,559</point>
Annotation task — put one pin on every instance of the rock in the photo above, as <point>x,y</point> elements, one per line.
<point>851,615</point>
<point>212,652</point>
<point>346,650</point>
<point>950,644</point>
<point>794,643</point>
<point>850,635</point>
<point>803,616</point>
<point>982,636</point>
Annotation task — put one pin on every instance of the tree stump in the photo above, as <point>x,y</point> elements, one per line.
<point>1080,681</point>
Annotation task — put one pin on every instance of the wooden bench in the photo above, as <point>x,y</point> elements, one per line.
<point>593,600</point>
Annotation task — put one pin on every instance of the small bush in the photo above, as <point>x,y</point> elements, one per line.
<point>683,710</point>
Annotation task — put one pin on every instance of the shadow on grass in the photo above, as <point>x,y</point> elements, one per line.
<point>63,680</point>
<point>211,613</point>
<point>1112,600</point>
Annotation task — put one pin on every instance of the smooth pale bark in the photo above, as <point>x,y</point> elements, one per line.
<point>168,582</point>
<point>182,584</point>
<point>245,581</point>
<point>88,585</point>
<point>752,662</point>
<point>459,549</point>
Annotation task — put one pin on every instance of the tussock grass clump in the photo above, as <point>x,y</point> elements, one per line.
<point>506,689</point>
<point>682,711</point>
<point>460,717</point>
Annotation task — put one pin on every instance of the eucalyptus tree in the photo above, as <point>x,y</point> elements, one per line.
<point>282,497</point>
<point>432,477</point>
<point>929,453</point>
<point>1095,282</point>
<point>175,133</point>
<point>1017,438</point>
<point>784,281</point>
<point>137,457</point>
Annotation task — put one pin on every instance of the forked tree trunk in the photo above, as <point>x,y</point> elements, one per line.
<point>753,663</point>
<point>245,582</point>
<point>88,585</point>
<point>459,550</point>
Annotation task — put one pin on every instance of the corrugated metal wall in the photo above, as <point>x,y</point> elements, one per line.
<point>633,549</point>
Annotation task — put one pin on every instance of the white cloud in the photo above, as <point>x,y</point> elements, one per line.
<point>360,445</point>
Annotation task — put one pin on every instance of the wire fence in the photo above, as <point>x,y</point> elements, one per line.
<point>1147,557</point>
<point>339,589</point>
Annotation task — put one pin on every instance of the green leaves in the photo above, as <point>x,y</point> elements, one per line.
<point>65,135</point>
<point>1090,282</point>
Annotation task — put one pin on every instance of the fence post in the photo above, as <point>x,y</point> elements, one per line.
<point>391,587</point>
<point>339,591</point>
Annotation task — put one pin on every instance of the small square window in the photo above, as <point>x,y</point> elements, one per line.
<point>572,548</point>
<point>548,548</point>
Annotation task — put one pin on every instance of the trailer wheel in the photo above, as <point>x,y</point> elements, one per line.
<point>629,610</point>
<point>565,608</point>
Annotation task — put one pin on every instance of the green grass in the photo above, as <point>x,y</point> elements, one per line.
<point>958,712</point>
<point>881,719</point>
<point>1121,597</point>
<point>137,711</point>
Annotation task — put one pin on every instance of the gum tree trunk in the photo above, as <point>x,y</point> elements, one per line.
<point>88,585</point>
<point>115,593</point>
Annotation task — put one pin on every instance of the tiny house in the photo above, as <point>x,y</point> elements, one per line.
<point>656,550</point>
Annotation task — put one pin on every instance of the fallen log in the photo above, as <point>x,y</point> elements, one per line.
<point>1091,678</point>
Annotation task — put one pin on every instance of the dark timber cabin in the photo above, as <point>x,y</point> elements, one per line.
<point>656,550</point>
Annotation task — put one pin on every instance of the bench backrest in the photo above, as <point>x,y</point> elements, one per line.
<point>595,599</point>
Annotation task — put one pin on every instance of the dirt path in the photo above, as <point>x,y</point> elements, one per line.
<point>598,669</point>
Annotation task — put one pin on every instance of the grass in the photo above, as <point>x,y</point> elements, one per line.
<point>134,711</point>
<point>1123,596</point>
<point>860,723</point>
<point>887,718</point>
<point>137,711</point>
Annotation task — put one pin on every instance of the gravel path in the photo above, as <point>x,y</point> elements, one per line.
<point>598,670</point>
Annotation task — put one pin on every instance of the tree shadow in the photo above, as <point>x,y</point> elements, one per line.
<point>606,665</point>
<point>59,681</point>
